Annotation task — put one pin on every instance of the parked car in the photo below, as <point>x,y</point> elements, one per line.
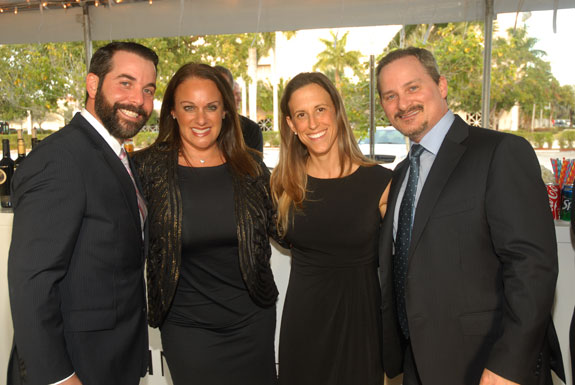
<point>391,147</point>
<point>561,123</point>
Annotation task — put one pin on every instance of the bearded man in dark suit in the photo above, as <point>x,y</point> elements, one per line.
<point>468,249</point>
<point>75,268</point>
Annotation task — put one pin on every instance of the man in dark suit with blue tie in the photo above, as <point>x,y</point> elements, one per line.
<point>75,268</point>
<point>468,250</point>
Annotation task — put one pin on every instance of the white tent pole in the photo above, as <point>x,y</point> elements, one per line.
<point>371,106</point>
<point>87,34</point>
<point>275,81</point>
<point>486,90</point>
<point>253,86</point>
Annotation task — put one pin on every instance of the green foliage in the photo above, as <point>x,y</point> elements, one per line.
<point>355,92</point>
<point>356,101</point>
<point>564,101</point>
<point>141,140</point>
<point>335,59</point>
<point>458,48</point>
<point>566,139</point>
<point>230,51</point>
<point>13,138</point>
<point>271,138</point>
<point>144,139</point>
<point>265,96</point>
<point>36,76</point>
<point>538,139</point>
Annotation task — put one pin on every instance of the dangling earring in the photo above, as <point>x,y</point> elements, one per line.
<point>174,117</point>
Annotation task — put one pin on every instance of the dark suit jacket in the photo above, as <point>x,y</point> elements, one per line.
<point>252,134</point>
<point>75,268</point>
<point>482,263</point>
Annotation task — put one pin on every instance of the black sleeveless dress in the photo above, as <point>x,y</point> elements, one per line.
<point>214,334</point>
<point>330,328</point>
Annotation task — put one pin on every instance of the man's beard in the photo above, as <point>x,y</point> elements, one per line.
<point>118,128</point>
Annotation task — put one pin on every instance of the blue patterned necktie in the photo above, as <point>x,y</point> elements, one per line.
<point>403,236</point>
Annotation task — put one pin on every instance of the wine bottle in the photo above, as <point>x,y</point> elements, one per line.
<point>34,141</point>
<point>4,128</point>
<point>129,146</point>
<point>6,172</point>
<point>21,150</point>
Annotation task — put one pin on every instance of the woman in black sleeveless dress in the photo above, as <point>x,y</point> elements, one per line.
<point>330,203</point>
<point>210,286</point>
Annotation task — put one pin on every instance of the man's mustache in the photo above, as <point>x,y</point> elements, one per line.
<point>418,107</point>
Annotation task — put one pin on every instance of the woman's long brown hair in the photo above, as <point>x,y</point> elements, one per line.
<point>289,178</point>
<point>230,141</point>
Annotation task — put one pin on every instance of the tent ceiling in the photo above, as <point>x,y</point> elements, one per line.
<point>139,19</point>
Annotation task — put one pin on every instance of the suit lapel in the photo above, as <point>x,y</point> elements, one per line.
<point>447,158</point>
<point>115,165</point>
<point>398,176</point>
<point>386,238</point>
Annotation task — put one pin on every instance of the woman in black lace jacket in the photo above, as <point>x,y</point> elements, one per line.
<point>210,286</point>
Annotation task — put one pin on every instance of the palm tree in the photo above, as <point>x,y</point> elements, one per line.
<point>334,59</point>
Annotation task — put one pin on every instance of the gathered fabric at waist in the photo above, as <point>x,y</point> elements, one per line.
<point>321,260</point>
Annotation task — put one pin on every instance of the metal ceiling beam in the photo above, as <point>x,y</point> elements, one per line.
<point>487,48</point>
<point>86,26</point>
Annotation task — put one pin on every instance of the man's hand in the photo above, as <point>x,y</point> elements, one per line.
<point>490,378</point>
<point>74,380</point>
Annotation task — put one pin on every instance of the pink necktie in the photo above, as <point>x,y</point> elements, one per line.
<point>141,203</point>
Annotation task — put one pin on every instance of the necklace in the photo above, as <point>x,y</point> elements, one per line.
<point>184,155</point>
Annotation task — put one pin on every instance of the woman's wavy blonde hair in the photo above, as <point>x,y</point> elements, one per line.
<point>289,178</point>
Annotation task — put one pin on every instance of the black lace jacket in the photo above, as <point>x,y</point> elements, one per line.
<point>157,169</point>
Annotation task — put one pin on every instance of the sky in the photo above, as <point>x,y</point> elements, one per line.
<point>558,46</point>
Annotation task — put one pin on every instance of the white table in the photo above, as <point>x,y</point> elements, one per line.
<point>6,330</point>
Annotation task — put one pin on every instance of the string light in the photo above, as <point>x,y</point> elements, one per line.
<point>41,5</point>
